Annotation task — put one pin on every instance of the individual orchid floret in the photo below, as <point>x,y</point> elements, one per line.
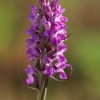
<point>30,72</point>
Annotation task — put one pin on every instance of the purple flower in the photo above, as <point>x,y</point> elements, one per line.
<point>30,71</point>
<point>46,45</point>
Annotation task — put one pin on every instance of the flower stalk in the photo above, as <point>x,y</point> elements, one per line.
<point>44,91</point>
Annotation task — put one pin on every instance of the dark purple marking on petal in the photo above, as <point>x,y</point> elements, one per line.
<point>49,71</point>
<point>62,58</point>
<point>61,49</point>
<point>48,10</point>
<point>61,65</point>
<point>61,36</point>
<point>64,19</point>
<point>47,33</point>
<point>55,40</point>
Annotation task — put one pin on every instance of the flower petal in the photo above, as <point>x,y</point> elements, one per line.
<point>30,70</point>
<point>62,75</point>
<point>30,80</point>
<point>49,71</point>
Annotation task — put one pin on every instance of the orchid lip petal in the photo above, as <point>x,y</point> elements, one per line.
<point>30,80</point>
<point>62,75</point>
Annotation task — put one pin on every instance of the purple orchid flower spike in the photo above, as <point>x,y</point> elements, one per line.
<point>46,45</point>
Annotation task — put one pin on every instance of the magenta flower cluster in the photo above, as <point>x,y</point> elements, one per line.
<point>46,43</point>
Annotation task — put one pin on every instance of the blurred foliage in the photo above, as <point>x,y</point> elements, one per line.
<point>83,51</point>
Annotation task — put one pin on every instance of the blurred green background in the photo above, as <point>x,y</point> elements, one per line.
<point>83,51</point>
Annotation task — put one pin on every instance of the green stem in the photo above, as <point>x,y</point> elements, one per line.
<point>44,91</point>
<point>38,95</point>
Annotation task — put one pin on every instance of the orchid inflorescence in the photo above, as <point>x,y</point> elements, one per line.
<point>46,45</point>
